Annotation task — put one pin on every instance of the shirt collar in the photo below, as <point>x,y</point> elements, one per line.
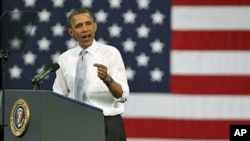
<point>91,49</point>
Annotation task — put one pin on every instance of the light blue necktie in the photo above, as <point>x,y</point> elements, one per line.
<point>80,76</point>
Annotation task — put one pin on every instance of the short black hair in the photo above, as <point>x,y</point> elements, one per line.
<point>79,11</point>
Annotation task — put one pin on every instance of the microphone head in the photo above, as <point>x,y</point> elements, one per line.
<point>46,67</point>
<point>54,67</point>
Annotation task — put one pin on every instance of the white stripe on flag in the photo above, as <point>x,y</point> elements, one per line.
<point>154,105</point>
<point>210,17</point>
<point>210,62</point>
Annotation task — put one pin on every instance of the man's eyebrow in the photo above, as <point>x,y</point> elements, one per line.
<point>78,24</point>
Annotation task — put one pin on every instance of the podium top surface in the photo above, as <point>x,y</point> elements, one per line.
<point>76,101</point>
<point>57,95</point>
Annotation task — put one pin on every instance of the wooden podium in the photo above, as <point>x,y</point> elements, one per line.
<point>47,116</point>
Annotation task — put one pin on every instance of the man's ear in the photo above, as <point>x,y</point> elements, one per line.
<point>71,32</point>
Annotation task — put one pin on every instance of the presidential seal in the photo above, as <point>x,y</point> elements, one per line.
<point>19,117</point>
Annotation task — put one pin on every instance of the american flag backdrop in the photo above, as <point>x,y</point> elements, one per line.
<point>187,61</point>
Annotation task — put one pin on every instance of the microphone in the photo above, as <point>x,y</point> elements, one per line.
<point>46,71</point>
<point>45,68</point>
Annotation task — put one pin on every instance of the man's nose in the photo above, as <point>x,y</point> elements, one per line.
<point>84,28</point>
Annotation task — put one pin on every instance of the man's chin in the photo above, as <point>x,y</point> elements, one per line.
<point>86,44</point>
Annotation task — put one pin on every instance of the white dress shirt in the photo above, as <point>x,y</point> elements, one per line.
<point>96,92</point>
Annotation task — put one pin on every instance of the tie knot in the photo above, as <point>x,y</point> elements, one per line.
<point>83,52</point>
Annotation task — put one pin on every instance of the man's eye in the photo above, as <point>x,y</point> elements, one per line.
<point>78,26</point>
<point>89,23</point>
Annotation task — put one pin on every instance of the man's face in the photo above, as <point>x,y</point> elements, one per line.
<point>83,29</point>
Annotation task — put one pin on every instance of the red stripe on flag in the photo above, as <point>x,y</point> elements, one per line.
<point>210,84</point>
<point>211,2</point>
<point>172,128</point>
<point>211,40</point>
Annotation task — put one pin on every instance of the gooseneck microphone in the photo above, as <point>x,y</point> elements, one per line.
<point>45,68</point>
<point>46,71</point>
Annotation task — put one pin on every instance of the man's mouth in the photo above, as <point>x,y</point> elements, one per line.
<point>86,37</point>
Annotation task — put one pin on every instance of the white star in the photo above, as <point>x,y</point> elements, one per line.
<point>157,17</point>
<point>29,58</point>
<point>101,16</point>
<point>55,56</point>
<point>44,15</point>
<point>143,4</point>
<point>29,3</point>
<point>130,73</point>
<point>129,17</point>
<point>129,45</point>
<point>71,43</point>
<point>29,29</point>
<point>15,15</point>
<point>156,75</point>
<point>15,43</point>
<point>101,40</point>
<point>143,31</point>
<point>86,3</point>
<point>15,72</point>
<point>157,46</point>
<point>57,30</point>
<point>114,30</point>
<point>142,60</point>
<point>115,3</point>
<point>43,44</point>
<point>58,3</point>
